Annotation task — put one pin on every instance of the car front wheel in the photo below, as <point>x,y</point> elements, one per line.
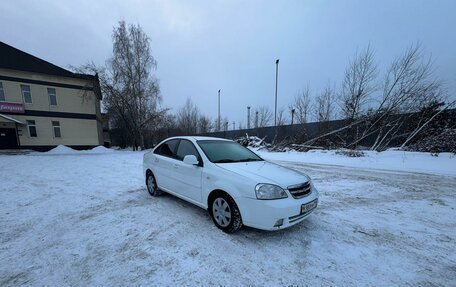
<point>225,213</point>
<point>151,183</point>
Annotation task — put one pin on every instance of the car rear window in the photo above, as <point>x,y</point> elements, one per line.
<point>167,148</point>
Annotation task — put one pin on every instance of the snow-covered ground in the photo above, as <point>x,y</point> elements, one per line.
<point>85,218</point>
<point>421,162</point>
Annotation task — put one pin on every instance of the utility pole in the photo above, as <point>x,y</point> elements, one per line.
<point>292,115</point>
<point>234,125</point>
<point>248,117</point>
<point>277,77</point>
<point>218,122</point>
<point>256,119</point>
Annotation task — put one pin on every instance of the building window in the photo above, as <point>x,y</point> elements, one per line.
<point>2,93</point>
<point>52,97</point>
<point>31,128</point>
<point>56,128</point>
<point>26,94</point>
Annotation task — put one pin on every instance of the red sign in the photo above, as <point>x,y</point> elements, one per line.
<point>11,108</point>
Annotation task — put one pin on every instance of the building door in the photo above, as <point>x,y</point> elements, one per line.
<point>8,139</point>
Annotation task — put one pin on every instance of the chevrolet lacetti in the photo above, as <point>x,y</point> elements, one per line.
<point>234,184</point>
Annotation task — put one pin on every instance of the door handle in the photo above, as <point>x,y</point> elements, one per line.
<point>156,160</point>
<point>175,165</point>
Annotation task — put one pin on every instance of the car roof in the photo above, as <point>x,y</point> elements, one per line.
<point>198,138</point>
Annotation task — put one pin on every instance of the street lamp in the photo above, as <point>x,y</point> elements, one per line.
<point>277,76</point>
<point>248,117</point>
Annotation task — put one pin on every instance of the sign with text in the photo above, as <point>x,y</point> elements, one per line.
<point>11,108</point>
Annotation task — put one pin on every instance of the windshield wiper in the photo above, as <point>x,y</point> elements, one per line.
<point>224,161</point>
<point>236,160</point>
<point>249,159</point>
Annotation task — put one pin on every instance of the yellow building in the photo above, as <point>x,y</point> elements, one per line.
<point>43,105</point>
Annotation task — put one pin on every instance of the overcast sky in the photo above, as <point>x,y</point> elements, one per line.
<point>203,46</point>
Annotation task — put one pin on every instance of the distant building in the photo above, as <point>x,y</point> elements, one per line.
<point>43,105</point>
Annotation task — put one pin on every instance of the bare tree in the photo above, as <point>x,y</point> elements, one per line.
<point>410,99</point>
<point>281,117</point>
<point>187,117</point>
<point>324,105</point>
<point>426,118</point>
<point>131,66</point>
<point>302,106</point>
<point>408,87</point>
<point>358,84</point>
<point>264,116</point>
<point>204,124</point>
<point>169,121</point>
<point>225,124</point>
<point>131,93</point>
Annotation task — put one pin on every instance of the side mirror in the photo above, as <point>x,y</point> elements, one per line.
<point>190,159</point>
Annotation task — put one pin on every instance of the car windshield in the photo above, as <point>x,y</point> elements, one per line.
<point>218,151</point>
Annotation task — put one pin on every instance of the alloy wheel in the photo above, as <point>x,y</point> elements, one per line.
<point>221,212</point>
<point>151,187</point>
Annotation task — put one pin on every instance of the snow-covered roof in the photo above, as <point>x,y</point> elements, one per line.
<point>197,138</point>
<point>11,119</point>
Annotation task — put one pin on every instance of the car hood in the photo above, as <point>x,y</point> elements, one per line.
<point>266,172</point>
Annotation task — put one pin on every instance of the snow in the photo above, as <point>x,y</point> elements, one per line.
<point>84,218</point>
<point>61,150</point>
<point>101,149</point>
<point>392,160</point>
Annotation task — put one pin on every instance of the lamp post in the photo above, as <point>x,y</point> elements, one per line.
<point>292,115</point>
<point>218,122</point>
<point>275,107</point>
<point>248,117</point>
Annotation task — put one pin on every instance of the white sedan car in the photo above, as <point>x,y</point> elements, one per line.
<point>234,184</point>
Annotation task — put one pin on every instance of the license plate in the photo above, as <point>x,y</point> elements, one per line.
<point>308,206</point>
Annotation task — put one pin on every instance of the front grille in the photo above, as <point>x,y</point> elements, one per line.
<point>300,190</point>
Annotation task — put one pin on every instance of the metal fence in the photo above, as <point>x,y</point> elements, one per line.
<point>280,133</point>
<point>296,132</point>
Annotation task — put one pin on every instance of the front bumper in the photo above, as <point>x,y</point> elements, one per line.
<point>264,214</point>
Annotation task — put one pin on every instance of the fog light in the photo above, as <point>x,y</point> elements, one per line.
<point>279,223</point>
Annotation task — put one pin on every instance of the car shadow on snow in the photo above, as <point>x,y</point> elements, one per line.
<point>177,203</point>
<point>300,227</point>
<point>202,216</point>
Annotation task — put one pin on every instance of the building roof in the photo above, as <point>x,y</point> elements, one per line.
<point>11,119</point>
<point>15,59</point>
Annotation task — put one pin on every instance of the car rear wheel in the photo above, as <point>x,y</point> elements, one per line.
<point>151,183</point>
<point>225,213</point>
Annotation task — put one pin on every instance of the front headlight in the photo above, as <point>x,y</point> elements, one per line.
<point>269,191</point>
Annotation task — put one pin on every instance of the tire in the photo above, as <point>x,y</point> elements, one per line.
<point>225,213</point>
<point>151,184</point>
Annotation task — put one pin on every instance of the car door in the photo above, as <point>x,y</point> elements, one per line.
<point>187,178</point>
<point>164,158</point>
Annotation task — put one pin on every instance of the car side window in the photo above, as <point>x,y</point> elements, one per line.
<point>167,148</point>
<point>185,148</point>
